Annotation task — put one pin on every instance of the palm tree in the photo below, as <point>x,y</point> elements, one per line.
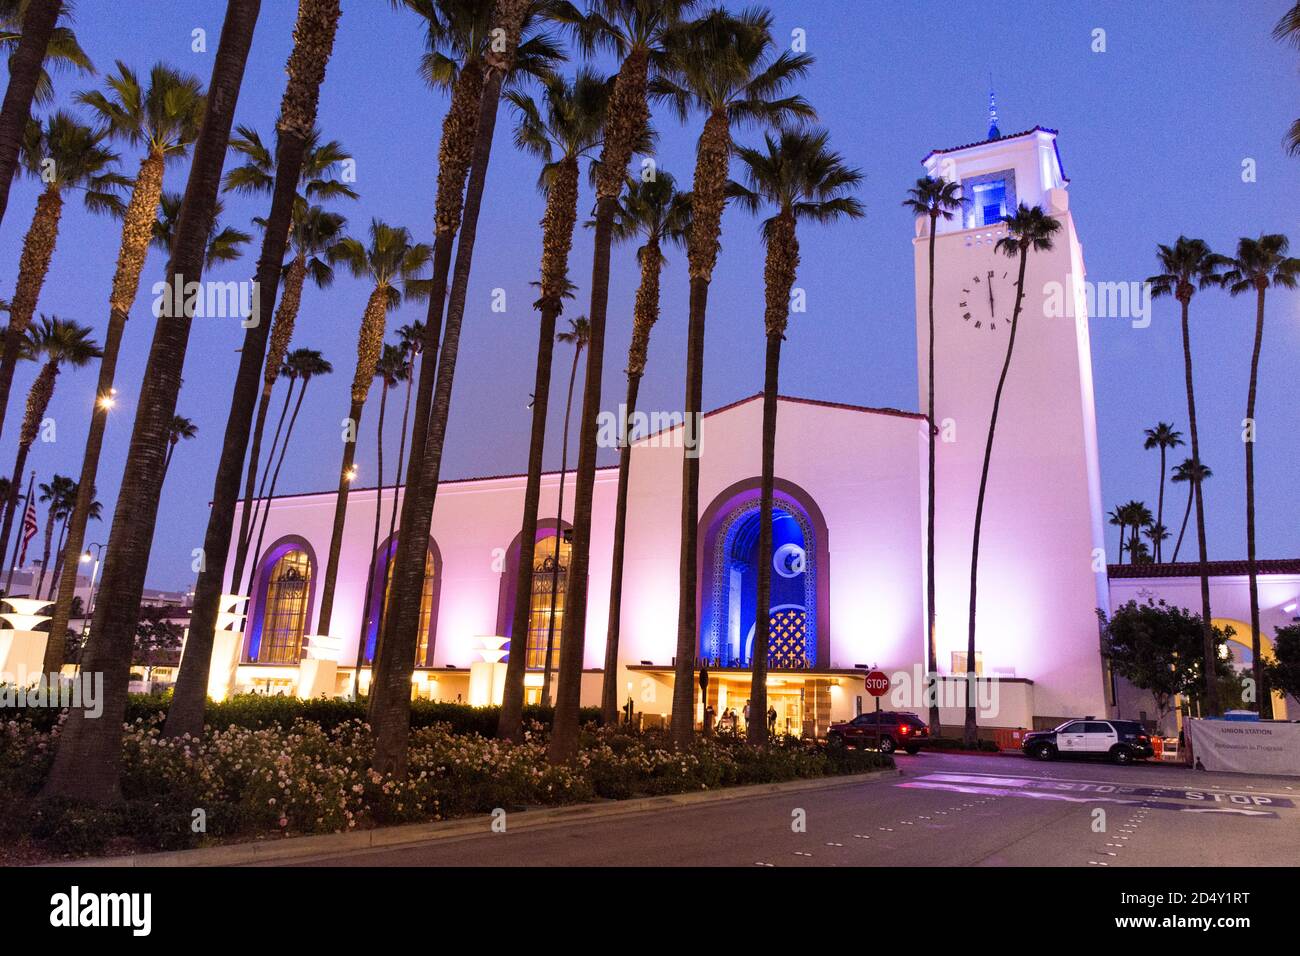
<point>299,365</point>
<point>1163,436</point>
<point>162,120</point>
<point>52,492</point>
<point>315,231</point>
<point>725,66</point>
<point>391,368</point>
<point>1288,31</point>
<point>802,178</point>
<point>1259,264</point>
<point>1158,534</point>
<point>225,243</point>
<point>932,198</point>
<point>561,130</point>
<point>63,509</point>
<point>312,231</point>
<point>652,210</point>
<point>504,58</point>
<point>1136,515</point>
<point>1186,266</point>
<point>65,155</point>
<point>87,763</point>
<point>181,428</point>
<point>1192,473</point>
<point>63,344</point>
<point>29,28</point>
<point>391,263</point>
<point>1117,520</point>
<point>578,335</point>
<point>1029,229</point>
<point>313,44</point>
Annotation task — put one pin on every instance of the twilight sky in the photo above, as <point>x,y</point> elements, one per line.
<point>1153,134</point>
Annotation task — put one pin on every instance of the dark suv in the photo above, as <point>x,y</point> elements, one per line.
<point>1122,741</point>
<point>884,730</point>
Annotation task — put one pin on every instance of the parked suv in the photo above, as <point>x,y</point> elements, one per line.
<point>884,730</point>
<point>1122,741</point>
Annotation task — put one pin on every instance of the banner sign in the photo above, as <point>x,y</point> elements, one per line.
<point>1246,746</point>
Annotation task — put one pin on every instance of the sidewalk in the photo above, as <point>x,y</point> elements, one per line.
<point>331,844</point>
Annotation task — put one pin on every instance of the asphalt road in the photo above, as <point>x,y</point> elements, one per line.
<point>943,810</point>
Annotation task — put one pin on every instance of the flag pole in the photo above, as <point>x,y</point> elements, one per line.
<point>18,538</point>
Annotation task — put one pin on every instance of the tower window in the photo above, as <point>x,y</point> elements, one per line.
<point>990,202</point>
<point>988,198</point>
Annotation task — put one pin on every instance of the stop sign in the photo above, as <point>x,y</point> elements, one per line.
<point>877,683</point>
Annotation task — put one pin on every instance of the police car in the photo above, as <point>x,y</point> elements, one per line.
<point>1122,741</point>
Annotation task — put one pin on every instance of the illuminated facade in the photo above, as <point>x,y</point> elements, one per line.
<point>848,581</point>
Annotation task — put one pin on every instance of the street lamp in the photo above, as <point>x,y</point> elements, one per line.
<point>106,402</point>
<point>86,558</point>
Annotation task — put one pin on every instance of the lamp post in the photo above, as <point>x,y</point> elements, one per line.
<point>94,573</point>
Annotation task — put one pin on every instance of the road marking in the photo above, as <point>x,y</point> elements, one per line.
<point>1237,798</point>
<point>1068,798</point>
<point>1281,799</point>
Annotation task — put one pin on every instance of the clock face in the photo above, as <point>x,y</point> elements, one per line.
<point>986,298</point>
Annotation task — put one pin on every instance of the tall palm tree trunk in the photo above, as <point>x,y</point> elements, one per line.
<point>137,229</point>
<point>264,512</point>
<point>374,542</point>
<point>683,712</point>
<point>756,729</point>
<point>88,760</point>
<point>340,519</point>
<point>1160,506</point>
<point>971,728</point>
<point>627,117</point>
<point>708,199</point>
<point>1207,632</point>
<point>59,553</point>
<point>281,331</point>
<point>38,401</point>
<point>45,555</point>
<point>390,705</point>
<point>1191,492</point>
<point>24,74</point>
<point>1252,567</point>
<point>510,723</point>
<point>392,516</point>
<point>559,535</point>
<point>932,653</point>
<point>609,685</point>
<point>557,240</point>
<point>33,267</point>
<point>254,504</point>
<point>314,32</point>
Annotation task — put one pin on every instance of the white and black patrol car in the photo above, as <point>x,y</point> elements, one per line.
<point>1122,741</point>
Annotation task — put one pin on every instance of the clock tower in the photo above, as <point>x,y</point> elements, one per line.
<point>1042,570</point>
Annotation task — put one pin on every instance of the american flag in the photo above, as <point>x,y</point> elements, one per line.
<point>30,527</point>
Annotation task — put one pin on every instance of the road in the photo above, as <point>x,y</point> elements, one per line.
<point>943,810</point>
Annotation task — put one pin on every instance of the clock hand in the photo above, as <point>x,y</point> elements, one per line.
<point>992,310</point>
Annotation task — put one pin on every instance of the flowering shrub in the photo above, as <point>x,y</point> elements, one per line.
<point>308,778</point>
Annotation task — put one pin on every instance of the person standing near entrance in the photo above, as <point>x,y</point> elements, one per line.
<point>771,720</point>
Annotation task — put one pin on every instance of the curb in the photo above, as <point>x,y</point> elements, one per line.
<point>333,844</point>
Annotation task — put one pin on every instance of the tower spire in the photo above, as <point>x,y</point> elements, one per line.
<point>994,132</point>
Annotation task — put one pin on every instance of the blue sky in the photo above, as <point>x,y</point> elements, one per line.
<point>1153,134</point>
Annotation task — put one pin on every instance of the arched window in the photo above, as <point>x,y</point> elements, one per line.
<point>546,603</point>
<point>282,602</point>
<point>550,576</point>
<point>728,587</point>
<point>384,565</point>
